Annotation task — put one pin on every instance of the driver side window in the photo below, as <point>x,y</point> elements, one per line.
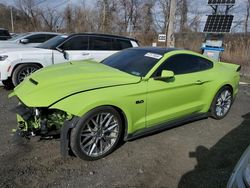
<point>40,38</point>
<point>184,64</point>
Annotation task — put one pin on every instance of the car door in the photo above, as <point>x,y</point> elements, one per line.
<point>75,47</point>
<point>180,96</point>
<point>100,47</point>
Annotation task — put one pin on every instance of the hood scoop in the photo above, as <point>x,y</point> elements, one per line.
<point>33,81</point>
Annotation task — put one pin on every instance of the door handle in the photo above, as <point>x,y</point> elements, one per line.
<point>85,53</point>
<point>199,82</point>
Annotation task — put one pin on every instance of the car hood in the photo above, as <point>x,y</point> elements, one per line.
<point>7,41</point>
<point>23,51</point>
<point>9,44</point>
<point>48,85</point>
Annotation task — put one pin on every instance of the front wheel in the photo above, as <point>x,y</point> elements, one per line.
<point>96,134</point>
<point>222,103</point>
<point>22,71</point>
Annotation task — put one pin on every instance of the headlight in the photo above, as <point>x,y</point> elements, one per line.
<point>3,57</point>
<point>246,175</point>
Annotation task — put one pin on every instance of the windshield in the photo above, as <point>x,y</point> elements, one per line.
<point>137,62</point>
<point>53,43</point>
<point>19,36</point>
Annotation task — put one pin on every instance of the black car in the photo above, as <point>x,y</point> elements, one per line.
<point>4,34</point>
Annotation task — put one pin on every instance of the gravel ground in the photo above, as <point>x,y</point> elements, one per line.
<point>198,154</point>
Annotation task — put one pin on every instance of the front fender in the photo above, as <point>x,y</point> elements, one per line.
<point>17,62</point>
<point>122,97</point>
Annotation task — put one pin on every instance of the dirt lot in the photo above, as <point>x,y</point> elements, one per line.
<point>198,154</point>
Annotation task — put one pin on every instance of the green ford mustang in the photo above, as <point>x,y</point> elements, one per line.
<point>94,106</point>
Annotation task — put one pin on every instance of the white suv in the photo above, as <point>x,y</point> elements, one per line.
<point>18,63</point>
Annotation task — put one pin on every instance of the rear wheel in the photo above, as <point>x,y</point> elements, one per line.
<point>222,103</point>
<point>22,71</point>
<point>96,134</point>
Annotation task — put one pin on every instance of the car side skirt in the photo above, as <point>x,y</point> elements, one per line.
<point>165,126</point>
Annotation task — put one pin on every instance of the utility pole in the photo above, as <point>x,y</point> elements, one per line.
<point>170,27</point>
<point>184,11</point>
<point>12,21</point>
<point>69,18</point>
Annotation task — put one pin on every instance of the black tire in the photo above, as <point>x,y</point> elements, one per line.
<point>213,112</point>
<point>80,127</point>
<point>8,84</point>
<point>20,71</point>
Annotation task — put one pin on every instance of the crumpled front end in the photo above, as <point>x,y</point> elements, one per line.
<point>42,122</point>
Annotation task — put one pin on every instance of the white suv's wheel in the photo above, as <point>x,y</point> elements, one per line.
<point>22,71</point>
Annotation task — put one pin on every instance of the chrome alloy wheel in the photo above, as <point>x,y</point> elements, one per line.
<point>25,72</point>
<point>223,102</point>
<point>99,134</point>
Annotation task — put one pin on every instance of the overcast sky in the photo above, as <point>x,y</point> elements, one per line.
<point>52,3</point>
<point>194,3</point>
<point>194,6</point>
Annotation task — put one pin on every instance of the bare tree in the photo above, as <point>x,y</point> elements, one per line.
<point>161,14</point>
<point>170,29</point>
<point>147,15</point>
<point>136,15</point>
<point>106,8</point>
<point>88,21</point>
<point>195,23</point>
<point>51,19</point>
<point>126,13</point>
<point>237,24</point>
<point>183,14</point>
<point>68,18</point>
<point>247,15</point>
<point>29,10</point>
<point>4,14</point>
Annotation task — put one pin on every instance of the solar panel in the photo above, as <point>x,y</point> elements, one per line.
<point>218,23</point>
<point>221,2</point>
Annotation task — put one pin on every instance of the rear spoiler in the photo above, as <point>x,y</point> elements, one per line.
<point>235,67</point>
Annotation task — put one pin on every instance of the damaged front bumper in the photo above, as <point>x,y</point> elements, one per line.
<point>40,121</point>
<point>47,123</point>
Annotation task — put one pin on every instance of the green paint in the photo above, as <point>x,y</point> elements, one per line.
<point>78,87</point>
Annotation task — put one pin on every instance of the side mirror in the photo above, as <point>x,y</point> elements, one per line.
<point>24,41</point>
<point>165,74</point>
<point>65,55</point>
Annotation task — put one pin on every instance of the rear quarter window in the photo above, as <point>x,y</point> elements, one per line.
<point>119,44</point>
<point>49,36</point>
